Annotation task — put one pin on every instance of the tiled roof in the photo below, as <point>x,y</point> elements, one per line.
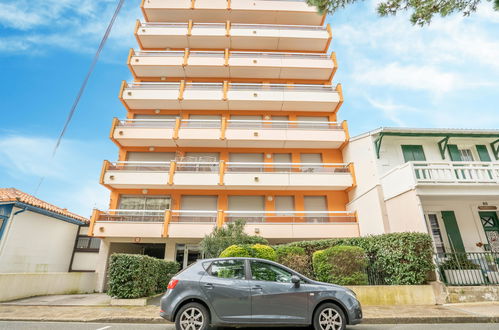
<point>14,195</point>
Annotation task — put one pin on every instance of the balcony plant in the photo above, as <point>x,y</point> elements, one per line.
<point>459,270</point>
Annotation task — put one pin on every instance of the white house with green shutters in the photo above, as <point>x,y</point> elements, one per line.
<point>441,181</point>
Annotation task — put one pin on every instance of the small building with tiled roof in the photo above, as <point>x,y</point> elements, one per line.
<point>39,237</point>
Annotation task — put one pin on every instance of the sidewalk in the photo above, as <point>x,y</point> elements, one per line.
<point>456,313</point>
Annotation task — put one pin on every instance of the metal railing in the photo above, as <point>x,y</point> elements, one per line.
<point>233,87</point>
<point>305,168</point>
<point>456,172</point>
<point>234,26</point>
<point>287,217</point>
<point>132,216</point>
<point>140,166</point>
<point>144,123</point>
<point>211,167</point>
<point>283,124</point>
<point>193,216</point>
<point>468,268</point>
<point>201,123</point>
<point>238,54</point>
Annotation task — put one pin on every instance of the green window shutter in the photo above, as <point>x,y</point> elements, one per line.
<point>453,232</point>
<point>413,153</point>
<point>483,153</point>
<point>454,153</point>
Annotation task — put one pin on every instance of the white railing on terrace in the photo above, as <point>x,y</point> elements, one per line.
<point>456,172</point>
<point>210,216</point>
<point>239,54</point>
<point>286,217</point>
<point>132,216</point>
<point>320,168</point>
<point>232,167</point>
<point>283,124</point>
<point>139,123</point>
<point>140,166</point>
<point>232,124</point>
<point>233,87</point>
<point>234,26</point>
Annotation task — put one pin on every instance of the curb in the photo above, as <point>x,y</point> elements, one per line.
<point>381,320</point>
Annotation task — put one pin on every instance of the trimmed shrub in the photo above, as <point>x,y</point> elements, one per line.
<point>264,252</point>
<point>136,276</point>
<point>233,251</point>
<point>343,265</point>
<point>394,259</point>
<point>231,233</point>
<point>295,258</point>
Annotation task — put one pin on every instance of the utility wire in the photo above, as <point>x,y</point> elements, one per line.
<point>84,84</point>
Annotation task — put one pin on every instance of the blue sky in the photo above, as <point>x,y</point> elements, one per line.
<point>393,74</point>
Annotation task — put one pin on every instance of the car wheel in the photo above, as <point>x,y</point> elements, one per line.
<point>192,316</point>
<point>329,317</point>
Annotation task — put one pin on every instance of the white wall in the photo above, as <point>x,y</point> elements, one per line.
<point>17,286</point>
<point>405,213</point>
<point>36,243</point>
<point>85,261</point>
<point>367,198</point>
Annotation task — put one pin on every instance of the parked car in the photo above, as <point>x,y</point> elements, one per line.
<point>255,292</point>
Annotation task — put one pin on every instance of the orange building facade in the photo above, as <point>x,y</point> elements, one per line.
<point>231,114</point>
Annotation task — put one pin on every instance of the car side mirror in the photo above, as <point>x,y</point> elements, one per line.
<point>296,281</point>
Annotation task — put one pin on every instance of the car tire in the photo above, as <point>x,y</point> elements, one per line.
<point>329,317</point>
<point>192,316</point>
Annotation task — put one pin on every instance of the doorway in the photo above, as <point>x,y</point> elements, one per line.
<point>490,223</point>
<point>187,254</point>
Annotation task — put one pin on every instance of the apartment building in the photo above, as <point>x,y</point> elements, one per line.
<point>232,114</point>
<point>441,181</point>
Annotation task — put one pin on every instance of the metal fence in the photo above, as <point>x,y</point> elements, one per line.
<point>468,268</point>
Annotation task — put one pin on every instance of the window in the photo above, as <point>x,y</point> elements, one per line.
<point>436,233</point>
<point>87,244</point>
<point>466,155</point>
<point>413,153</point>
<point>144,203</point>
<point>228,269</point>
<point>284,204</point>
<point>262,271</point>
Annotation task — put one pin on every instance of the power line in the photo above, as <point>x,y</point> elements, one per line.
<point>84,84</point>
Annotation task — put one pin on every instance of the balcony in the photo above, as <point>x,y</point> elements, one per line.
<point>231,65</point>
<point>237,11</point>
<point>230,176</point>
<point>198,223</point>
<point>289,38</point>
<point>443,178</point>
<point>233,96</point>
<point>228,133</point>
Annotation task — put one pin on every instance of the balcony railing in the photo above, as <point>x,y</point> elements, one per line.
<point>140,166</point>
<point>286,217</point>
<point>479,268</point>
<point>456,172</point>
<point>206,216</point>
<point>316,168</point>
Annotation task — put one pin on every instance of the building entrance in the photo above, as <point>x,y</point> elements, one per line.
<point>186,254</point>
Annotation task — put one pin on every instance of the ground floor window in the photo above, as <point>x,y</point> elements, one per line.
<point>436,232</point>
<point>87,244</point>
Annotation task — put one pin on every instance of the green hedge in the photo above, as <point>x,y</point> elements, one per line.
<point>394,259</point>
<point>136,276</point>
<point>343,265</point>
<point>295,258</point>
<point>249,251</point>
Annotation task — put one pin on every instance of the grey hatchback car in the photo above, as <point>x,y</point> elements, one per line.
<point>255,292</point>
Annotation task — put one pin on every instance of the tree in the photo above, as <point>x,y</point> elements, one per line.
<point>230,234</point>
<point>422,10</point>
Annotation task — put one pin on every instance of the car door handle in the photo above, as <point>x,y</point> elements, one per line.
<point>208,286</point>
<point>259,288</point>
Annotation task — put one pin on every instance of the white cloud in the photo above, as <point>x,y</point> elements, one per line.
<point>71,179</point>
<point>76,25</point>
<point>393,111</point>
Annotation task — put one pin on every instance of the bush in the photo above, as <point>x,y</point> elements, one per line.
<point>230,234</point>
<point>233,251</point>
<point>136,276</point>
<point>343,265</point>
<point>264,252</point>
<point>395,259</point>
<point>295,258</point>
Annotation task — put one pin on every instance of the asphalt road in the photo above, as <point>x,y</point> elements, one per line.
<point>113,326</point>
